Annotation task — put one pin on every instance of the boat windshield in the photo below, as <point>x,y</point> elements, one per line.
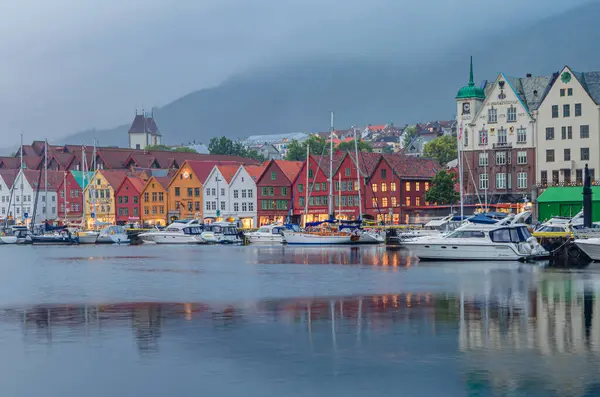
<point>264,230</point>
<point>193,230</point>
<point>551,229</point>
<point>278,230</point>
<point>466,234</point>
<point>510,235</point>
<point>230,230</point>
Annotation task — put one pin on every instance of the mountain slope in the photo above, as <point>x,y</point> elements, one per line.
<point>299,97</point>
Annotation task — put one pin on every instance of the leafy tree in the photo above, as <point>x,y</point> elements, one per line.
<point>184,150</point>
<point>363,146</point>
<point>442,189</point>
<point>253,154</point>
<point>317,144</point>
<point>409,134</point>
<point>171,149</point>
<point>226,146</point>
<point>443,149</point>
<point>296,151</point>
<point>158,147</point>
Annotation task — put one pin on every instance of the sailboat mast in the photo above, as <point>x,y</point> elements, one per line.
<point>21,178</point>
<point>331,216</point>
<point>83,184</point>
<point>360,214</point>
<point>46,180</point>
<point>460,169</point>
<point>65,194</point>
<point>306,188</point>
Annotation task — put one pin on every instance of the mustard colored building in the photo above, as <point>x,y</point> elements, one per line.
<point>99,196</point>
<point>153,202</point>
<point>185,190</point>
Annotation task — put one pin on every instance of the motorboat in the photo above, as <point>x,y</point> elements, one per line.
<point>22,233</point>
<point>113,235</point>
<point>590,246</point>
<point>222,233</point>
<point>58,237</point>
<point>320,233</point>
<point>187,235</point>
<point>435,227</point>
<point>498,240</point>
<point>87,236</point>
<point>166,234</point>
<point>7,238</point>
<point>559,224</point>
<point>365,236</point>
<point>268,234</point>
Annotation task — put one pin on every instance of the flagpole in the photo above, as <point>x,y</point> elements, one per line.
<point>460,170</point>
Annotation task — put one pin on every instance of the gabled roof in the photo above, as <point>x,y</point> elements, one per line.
<point>163,180</point>
<point>412,167</point>
<point>228,170</point>
<point>11,163</point>
<point>201,169</point>
<point>137,183</point>
<point>79,178</point>
<point>55,179</point>
<point>529,90</point>
<point>114,177</point>
<point>63,159</point>
<point>590,82</point>
<point>142,124</point>
<point>32,162</point>
<point>289,168</point>
<point>9,176</point>
<point>255,171</point>
<point>144,160</point>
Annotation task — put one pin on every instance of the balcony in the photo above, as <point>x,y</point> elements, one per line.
<point>505,145</point>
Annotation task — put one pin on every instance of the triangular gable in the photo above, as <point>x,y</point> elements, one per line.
<point>491,97</point>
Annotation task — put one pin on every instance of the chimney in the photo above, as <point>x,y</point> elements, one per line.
<point>529,75</point>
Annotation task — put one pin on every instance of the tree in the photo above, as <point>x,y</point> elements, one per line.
<point>171,149</point>
<point>184,150</point>
<point>409,134</point>
<point>226,146</point>
<point>443,149</point>
<point>253,154</point>
<point>363,146</point>
<point>442,189</point>
<point>296,151</point>
<point>157,147</point>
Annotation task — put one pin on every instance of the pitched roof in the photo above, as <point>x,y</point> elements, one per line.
<point>412,167</point>
<point>163,180</point>
<point>591,82</point>
<point>32,162</point>
<point>79,178</point>
<point>142,124</point>
<point>376,127</point>
<point>63,159</point>
<point>137,183</point>
<point>9,176</point>
<point>228,170</point>
<point>289,168</point>
<point>11,163</point>
<point>530,90</point>
<point>55,179</point>
<point>144,160</point>
<point>114,177</point>
<point>255,171</point>
<point>202,168</point>
<point>113,158</point>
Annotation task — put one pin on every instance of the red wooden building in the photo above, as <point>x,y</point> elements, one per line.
<point>127,199</point>
<point>275,190</point>
<point>70,198</point>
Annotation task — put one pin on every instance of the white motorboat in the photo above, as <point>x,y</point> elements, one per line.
<point>373,236</point>
<point>186,235</point>
<point>113,235</point>
<point>87,236</point>
<point>221,233</point>
<point>8,239</point>
<point>433,228</point>
<point>475,241</point>
<point>268,234</point>
<point>320,233</point>
<point>165,235</point>
<point>591,247</point>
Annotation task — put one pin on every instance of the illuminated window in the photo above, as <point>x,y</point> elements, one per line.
<point>426,186</point>
<point>417,186</point>
<point>374,187</point>
<point>393,186</point>
<point>408,201</point>
<point>407,187</point>
<point>417,201</point>
<point>384,187</point>
<point>384,202</point>
<point>374,202</point>
<point>393,200</point>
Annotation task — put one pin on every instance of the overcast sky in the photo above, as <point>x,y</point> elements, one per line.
<point>70,65</point>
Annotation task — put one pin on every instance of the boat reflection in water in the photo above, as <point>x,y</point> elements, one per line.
<point>515,334</point>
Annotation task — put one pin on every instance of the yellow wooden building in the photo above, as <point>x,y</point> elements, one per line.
<point>99,196</point>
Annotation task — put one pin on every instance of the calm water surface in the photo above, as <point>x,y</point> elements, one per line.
<point>284,321</point>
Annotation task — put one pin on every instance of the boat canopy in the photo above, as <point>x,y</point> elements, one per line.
<point>482,219</point>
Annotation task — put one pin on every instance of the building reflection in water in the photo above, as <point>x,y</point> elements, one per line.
<point>549,331</point>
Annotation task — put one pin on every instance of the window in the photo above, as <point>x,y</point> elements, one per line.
<point>190,191</point>
<point>120,200</point>
<point>500,158</point>
<point>208,205</point>
<point>408,201</point>
<point>555,177</point>
<point>483,181</point>
<point>567,132</point>
<point>222,205</point>
<point>317,187</point>
<point>384,187</point>
<point>196,192</point>
<point>393,201</point>
<point>466,137</point>
<point>592,174</point>
<point>562,92</point>
<point>244,193</point>
<point>207,191</point>
<point>584,131</point>
<point>284,191</point>
<point>554,111</point>
<point>567,110</point>
<point>301,202</point>
<point>521,157</point>
<point>483,136</point>
<point>222,192</point>
<point>213,191</point>
<point>570,92</point>
<point>347,171</point>
<point>250,194</point>
<point>154,196</point>
<point>417,201</point>
<point>236,206</point>
<point>567,154</point>
<point>213,205</point>
<point>521,135</point>
<point>567,176</point>
<point>177,192</point>
<point>189,207</point>
<point>492,115</point>
<point>263,191</point>
<point>549,155</point>
<point>550,133</point>
<point>324,186</point>
<point>483,159</point>
<point>135,199</point>
<point>236,193</point>
<point>417,186</point>
<point>577,109</point>
<point>521,180</point>
<point>125,199</point>
<point>544,177</point>
<point>392,187</point>
<point>374,202</point>
<point>502,136</point>
<point>374,187</point>
<point>585,153</point>
<point>383,173</point>
<point>407,186</point>
<point>579,176</point>
<point>273,176</point>
<point>136,211</point>
<point>300,188</point>
<point>311,173</point>
<point>384,202</point>
<point>511,116</point>
<point>282,204</point>
<point>161,197</point>
<point>501,181</point>
<point>426,186</point>
<point>244,207</point>
<point>250,206</point>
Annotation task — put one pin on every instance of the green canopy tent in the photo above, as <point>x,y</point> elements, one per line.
<point>566,201</point>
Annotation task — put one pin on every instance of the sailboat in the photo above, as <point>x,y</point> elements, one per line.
<point>325,232</point>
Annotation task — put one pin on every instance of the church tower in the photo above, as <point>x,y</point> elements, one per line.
<point>144,131</point>
<point>468,102</point>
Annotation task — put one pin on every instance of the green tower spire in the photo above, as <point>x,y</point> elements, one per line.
<point>470,91</point>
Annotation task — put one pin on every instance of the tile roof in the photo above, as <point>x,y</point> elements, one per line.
<point>163,180</point>
<point>143,160</point>
<point>591,82</point>
<point>113,158</point>
<point>55,179</point>
<point>11,163</point>
<point>63,159</point>
<point>289,168</point>
<point>530,90</point>
<point>228,170</point>
<point>412,167</point>
<point>32,162</point>
<point>201,168</point>
<point>376,127</point>
<point>255,171</point>
<point>137,183</point>
<point>114,177</point>
<point>9,176</point>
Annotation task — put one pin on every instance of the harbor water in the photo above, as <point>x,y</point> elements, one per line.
<point>151,321</point>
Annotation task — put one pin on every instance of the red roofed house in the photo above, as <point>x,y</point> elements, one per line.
<point>7,178</point>
<point>71,208</point>
<point>127,197</point>
<point>34,183</point>
<point>275,190</point>
<point>217,203</point>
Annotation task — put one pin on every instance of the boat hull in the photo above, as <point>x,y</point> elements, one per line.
<point>591,247</point>
<point>370,238</point>
<point>315,239</point>
<point>174,239</point>
<point>448,250</point>
<point>87,238</point>
<point>51,240</point>
<point>8,240</point>
<point>113,239</point>
<point>254,238</point>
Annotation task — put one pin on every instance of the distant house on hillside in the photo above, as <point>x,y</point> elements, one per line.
<point>269,151</point>
<point>144,132</point>
<point>279,141</point>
